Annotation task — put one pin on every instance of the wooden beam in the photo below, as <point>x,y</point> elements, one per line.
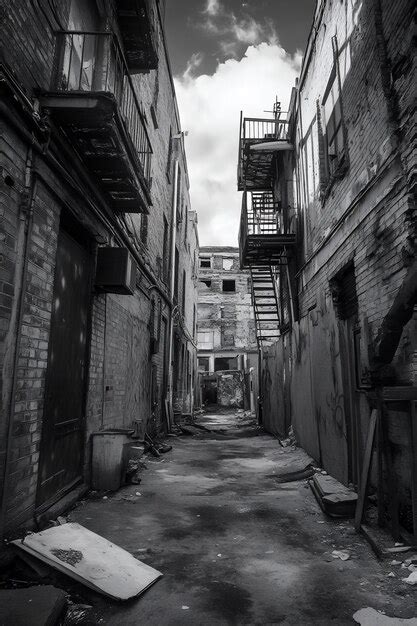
<point>365,470</point>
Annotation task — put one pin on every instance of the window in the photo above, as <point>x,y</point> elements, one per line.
<point>203,364</point>
<point>227,264</point>
<point>144,228</point>
<point>229,285</point>
<point>332,120</point>
<point>169,157</point>
<point>205,339</point>
<point>225,363</point>
<point>205,262</point>
<point>205,283</point>
<point>177,260</point>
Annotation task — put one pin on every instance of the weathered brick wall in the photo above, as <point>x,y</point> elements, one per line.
<point>365,217</point>
<point>119,360</point>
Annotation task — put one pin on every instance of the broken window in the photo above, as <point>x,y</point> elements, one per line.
<point>227,264</point>
<point>229,285</point>
<point>206,283</point>
<point>205,262</point>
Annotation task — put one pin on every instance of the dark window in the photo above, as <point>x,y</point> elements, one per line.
<point>229,285</point>
<point>343,289</point>
<point>203,364</point>
<point>225,363</point>
<point>205,262</point>
<point>207,283</point>
<point>144,228</point>
<point>169,157</point>
<point>176,275</point>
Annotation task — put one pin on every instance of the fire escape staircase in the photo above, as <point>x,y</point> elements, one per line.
<point>265,305</point>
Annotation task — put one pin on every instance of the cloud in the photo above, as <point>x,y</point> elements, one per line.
<point>194,62</point>
<point>231,31</point>
<point>213,7</point>
<point>210,110</point>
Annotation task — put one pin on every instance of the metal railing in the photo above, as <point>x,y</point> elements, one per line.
<point>256,128</point>
<point>262,215</point>
<point>94,62</point>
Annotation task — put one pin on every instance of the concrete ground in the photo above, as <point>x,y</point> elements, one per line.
<point>234,546</point>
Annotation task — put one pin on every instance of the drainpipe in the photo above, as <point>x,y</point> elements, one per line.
<point>170,391</point>
<point>26,217</point>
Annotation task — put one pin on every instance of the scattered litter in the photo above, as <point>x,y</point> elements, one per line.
<point>185,607</point>
<point>61,520</point>
<point>269,552</point>
<point>411,560</point>
<point>138,493</point>
<point>219,555</point>
<point>371,617</point>
<point>398,543</point>
<point>77,613</point>
<point>105,498</point>
<point>91,560</point>
<point>411,579</point>
<point>290,440</point>
<point>391,575</point>
<point>340,554</point>
<point>395,562</point>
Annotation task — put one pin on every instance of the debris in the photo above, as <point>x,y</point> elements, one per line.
<point>138,493</point>
<point>132,471</point>
<point>105,498</point>
<point>37,606</point>
<point>391,575</point>
<point>91,560</point>
<point>290,440</point>
<point>185,607</point>
<point>334,498</point>
<point>77,613</point>
<point>371,617</point>
<point>394,562</point>
<point>61,520</point>
<point>289,477</point>
<point>411,579</point>
<point>341,554</point>
<point>411,560</point>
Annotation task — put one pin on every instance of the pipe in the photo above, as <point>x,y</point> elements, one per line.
<point>171,293</point>
<point>28,196</point>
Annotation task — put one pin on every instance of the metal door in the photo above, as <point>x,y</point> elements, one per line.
<point>63,426</point>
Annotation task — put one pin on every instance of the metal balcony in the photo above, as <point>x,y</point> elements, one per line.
<point>259,142</point>
<point>138,20</point>
<point>267,232</point>
<point>92,99</point>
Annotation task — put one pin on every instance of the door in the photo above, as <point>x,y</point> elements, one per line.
<point>61,454</point>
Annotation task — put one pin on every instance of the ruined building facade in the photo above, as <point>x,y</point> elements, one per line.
<point>329,221</point>
<point>98,241</point>
<point>227,350</point>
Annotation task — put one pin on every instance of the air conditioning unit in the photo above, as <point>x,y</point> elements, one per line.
<point>115,271</point>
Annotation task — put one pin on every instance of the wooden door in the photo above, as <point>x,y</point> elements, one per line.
<point>61,456</point>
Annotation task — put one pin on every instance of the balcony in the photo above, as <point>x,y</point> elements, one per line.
<point>259,142</point>
<point>267,232</point>
<point>138,27</point>
<point>93,100</point>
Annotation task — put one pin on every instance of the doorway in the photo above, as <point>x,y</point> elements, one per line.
<point>62,443</point>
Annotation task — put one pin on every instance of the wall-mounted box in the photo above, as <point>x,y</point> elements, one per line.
<point>116,271</point>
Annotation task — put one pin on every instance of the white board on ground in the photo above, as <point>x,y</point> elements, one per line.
<point>91,560</point>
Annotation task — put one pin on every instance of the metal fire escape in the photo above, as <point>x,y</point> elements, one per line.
<point>267,234</point>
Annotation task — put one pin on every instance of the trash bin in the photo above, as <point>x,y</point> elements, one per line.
<point>109,458</point>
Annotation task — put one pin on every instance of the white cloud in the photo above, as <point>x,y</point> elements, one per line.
<point>213,7</point>
<point>210,110</point>
<point>194,62</point>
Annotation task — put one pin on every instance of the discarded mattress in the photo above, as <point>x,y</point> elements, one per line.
<point>334,498</point>
<point>91,560</point>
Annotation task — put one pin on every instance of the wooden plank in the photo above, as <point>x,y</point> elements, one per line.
<point>413,426</point>
<point>365,470</point>
<point>91,560</point>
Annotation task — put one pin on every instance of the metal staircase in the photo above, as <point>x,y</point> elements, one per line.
<point>265,305</point>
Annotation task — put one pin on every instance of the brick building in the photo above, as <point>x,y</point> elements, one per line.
<point>227,349</point>
<point>94,204</point>
<point>329,210</point>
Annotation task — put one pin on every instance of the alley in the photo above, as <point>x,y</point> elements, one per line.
<point>235,546</point>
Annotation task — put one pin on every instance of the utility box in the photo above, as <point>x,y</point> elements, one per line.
<point>109,458</point>
<point>115,271</point>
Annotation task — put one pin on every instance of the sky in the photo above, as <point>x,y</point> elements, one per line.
<point>228,56</point>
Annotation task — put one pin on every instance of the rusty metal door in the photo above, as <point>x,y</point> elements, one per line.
<point>61,454</point>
